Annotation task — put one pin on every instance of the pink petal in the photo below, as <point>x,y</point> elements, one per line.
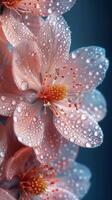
<point>49,148</point>
<point>79,127</point>
<point>28,124</point>
<point>46,7</point>
<point>94,103</point>
<point>5,195</point>
<point>3,143</point>
<point>8,104</point>
<point>14,30</point>
<point>54,39</point>
<point>76,179</point>
<point>26,66</point>
<point>16,163</point>
<point>90,66</point>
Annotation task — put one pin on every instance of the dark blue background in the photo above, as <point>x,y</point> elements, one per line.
<point>90,22</point>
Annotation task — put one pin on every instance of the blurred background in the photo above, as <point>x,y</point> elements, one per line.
<point>90,22</point>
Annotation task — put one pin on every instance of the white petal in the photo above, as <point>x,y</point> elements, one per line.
<point>94,103</point>
<point>76,179</point>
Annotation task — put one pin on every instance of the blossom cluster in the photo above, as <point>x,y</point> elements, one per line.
<point>48,102</point>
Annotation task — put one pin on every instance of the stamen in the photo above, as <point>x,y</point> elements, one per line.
<point>53,93</point>
<point>35,181</point>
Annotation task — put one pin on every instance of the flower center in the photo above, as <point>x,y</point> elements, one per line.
<point>53,93</point>
<point>33,183</point>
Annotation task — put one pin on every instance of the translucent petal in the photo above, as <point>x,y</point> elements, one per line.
<point>4,195</point>
<point>76,179</point>
<point>66,155</point>
<point>49,148</point>
<point>94,103</point>
<point>90,65</point>
<point>14,30</point>
<point>16,163</point>
<point>59,193</point>
<point>28,124</point>
<point>46,7</point>
<point>8,104</point>
<point>54,39</point>
<point>79,127</point>
<point>26,66</point>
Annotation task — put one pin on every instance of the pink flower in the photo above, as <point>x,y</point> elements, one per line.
<point>59,89</point>
<point>26,179</point>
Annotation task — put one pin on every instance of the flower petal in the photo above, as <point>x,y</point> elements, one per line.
<point>76,179</point>
<point>4,195</point>
<point>8,104</point>
<point>54,39</point>
<point>94,103</point>
<point>26,66</point>
<point>44,8</point>
<point>58,193</point>
<point>78,127</point>
<point>14,30</point>
<point>66,155</point>
<point>28,124</point>
<point>90,65</point>
<point>16,163</point>
<point>49,148</point>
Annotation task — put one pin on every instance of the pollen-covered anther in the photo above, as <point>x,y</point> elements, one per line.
<point>54,93</point>
<point>32,182</point>
<point>34,185</point>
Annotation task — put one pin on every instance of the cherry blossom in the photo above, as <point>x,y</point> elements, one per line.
<point>58,87</point>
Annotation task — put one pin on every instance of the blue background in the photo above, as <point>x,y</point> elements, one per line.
<point>90,23</point>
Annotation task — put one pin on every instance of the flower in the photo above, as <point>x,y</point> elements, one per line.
<point>59,88</point>
<point>25,178</point>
